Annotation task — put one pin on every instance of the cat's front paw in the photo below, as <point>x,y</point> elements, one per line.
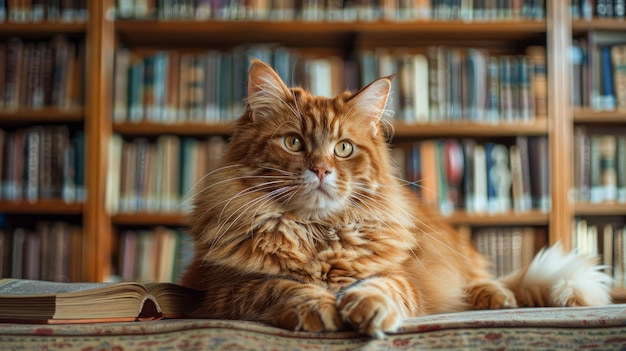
<point>490,295</point>
<point>314,315</point>
<point>370,312</point>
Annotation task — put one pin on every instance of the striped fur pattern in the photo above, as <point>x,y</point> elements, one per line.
<point>306,226</point>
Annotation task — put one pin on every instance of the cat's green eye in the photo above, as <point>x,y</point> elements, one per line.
<point>293,143</point>
<point>344,148</point>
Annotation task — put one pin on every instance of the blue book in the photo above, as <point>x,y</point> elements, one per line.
<point>607,89</point>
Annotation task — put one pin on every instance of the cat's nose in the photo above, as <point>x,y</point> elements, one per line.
<point>321,172</point>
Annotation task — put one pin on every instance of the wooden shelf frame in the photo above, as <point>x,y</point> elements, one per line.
<point>45,206</point>
<point>43,115</point>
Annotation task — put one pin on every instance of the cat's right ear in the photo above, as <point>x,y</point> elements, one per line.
<point>369,103</point>
<point>265,88</point>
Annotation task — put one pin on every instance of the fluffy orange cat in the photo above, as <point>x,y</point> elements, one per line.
<point>306,226</point>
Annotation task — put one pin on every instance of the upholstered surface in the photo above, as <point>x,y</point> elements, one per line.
<point>599,328</point>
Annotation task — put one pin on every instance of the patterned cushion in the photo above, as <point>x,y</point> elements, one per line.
<point>595,328</point>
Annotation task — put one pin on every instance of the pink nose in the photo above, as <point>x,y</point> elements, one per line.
<point>321,172</point>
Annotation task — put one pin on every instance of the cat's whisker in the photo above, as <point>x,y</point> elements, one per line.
<point>246,191</point>
<point>242,211</point>
<point>387,126</point>
<point>254,188</point>
<point>281,171</point>
<point>406,182</point>
<point>427,230</point>
<point>240,178</point>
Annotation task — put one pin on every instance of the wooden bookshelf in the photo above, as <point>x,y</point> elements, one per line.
<point>600,122</point>
<point>104,34</point>
<point>31,213</point>
<point>346,38</point>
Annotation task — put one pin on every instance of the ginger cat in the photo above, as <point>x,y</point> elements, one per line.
<point>306,226</point>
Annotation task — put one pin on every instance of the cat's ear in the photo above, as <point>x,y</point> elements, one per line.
<point>265,88</point>
<point>369,103</point>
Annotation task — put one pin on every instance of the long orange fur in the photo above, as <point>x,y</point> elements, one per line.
<point>292,232</point>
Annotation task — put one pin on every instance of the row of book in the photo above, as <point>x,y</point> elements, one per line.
<point>603,9</point>
<point>438,84</point>
<point>38,74</point>
<point>20,11</point>
<point>478,177</point>
<point>334,10</point>
<point>508,249</point>
<point>42,162</point>
<point>598,64</point>
<point>159,254</point>
<point>599,166</point>
<point>158,175</point>
<point>605,240</point>
<point>47,251</point>
<point>452,84</point>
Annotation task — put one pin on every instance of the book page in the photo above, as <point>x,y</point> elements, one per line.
<point>16,287</point>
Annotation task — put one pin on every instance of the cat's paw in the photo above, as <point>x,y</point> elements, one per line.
<point>370,312</point>
<point>490,295</point>
<point>315,315</point>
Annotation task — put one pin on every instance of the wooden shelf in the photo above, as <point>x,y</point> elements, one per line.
<point>593,116</point>
<point>150,33</point>
<point>42,115</point>
<point>504,219</point>
<point>45,29</point>
<point>600,209</point>
<point>41,207</point>
<point>534,127</point>
<point>153,129</point>
<point>582,26</point>
<point>174,219</point>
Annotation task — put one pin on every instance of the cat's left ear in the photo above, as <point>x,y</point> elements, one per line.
<point>369,103</point>
<point>265,88</point>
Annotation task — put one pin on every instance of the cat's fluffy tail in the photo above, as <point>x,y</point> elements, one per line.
<point>557,279</point>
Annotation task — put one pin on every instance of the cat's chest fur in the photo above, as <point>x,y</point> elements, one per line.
<point>330,255</point>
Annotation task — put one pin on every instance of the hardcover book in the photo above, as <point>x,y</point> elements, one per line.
<point>37,301</point>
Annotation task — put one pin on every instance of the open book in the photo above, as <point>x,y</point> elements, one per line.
<point>34,301</point>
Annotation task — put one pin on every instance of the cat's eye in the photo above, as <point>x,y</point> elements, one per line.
<point>293,143</point>
<point>344,148</point>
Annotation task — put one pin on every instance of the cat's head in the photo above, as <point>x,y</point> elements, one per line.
<point>313,155</point>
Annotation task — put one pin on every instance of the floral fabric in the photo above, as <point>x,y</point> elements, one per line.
<point>590,328</point>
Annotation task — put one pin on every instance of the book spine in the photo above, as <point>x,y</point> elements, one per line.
<point>607,91</point>
<point>608,169</point>
<point>621,168</point>
<point>537,56</point>
<point>121,76</point>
